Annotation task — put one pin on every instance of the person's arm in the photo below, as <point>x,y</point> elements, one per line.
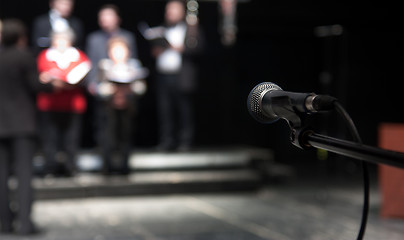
<point>50,76</point>
<point>132,44</point>
<point>93,55</point>
<point>78,29</point>
<point>194,41</point>
<point>39,34</point>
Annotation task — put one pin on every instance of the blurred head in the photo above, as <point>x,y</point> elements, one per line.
<point>62,40</point>
<point>108,18</point>
<point>63,7</point>
<point>118,49</point>
<point>13,33</point>
<point>175,12</point>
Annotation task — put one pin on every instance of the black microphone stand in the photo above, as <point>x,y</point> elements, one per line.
<point>307,139</point>
<point>295,112</point>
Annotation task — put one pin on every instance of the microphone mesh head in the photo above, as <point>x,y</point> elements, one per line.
<point>254,101</point>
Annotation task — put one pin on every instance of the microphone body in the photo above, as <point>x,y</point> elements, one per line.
<point>267,103</point>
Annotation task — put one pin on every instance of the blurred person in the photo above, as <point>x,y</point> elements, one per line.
<point>61,110</point>
<point>176,77</point>
<point>0,29</point>
<point>121,83</point>
<point>58,19</point>
<point>228,25</point>
<point>18,84</point>
<point>109,21</point>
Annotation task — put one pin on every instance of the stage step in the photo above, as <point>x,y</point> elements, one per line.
<point>202,170</point>
<point>208,158</point>
<point>167,182</point>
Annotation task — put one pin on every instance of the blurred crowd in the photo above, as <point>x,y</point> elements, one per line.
<point>101,70</point>
<point>51,71</point>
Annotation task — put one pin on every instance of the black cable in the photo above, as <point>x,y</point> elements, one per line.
<point>366,181</point>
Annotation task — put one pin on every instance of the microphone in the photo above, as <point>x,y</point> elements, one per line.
<point>267,103</point>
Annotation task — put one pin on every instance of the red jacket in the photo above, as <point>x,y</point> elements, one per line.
<point>70,66</point>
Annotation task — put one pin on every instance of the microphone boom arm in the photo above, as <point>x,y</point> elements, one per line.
<point>307,139</point>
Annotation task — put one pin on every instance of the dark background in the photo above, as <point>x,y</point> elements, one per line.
<point>276,42</point>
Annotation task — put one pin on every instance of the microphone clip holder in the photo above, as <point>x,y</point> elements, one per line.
<point>287,112</point>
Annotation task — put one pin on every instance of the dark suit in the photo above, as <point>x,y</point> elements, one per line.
<point>42,28</point>
<point>18,84</point>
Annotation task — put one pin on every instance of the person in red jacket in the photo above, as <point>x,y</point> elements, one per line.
<point>62,109</point>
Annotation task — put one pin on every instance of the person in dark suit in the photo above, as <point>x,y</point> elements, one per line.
<point>18,84</point>
<point>1,24</point>
<point>59,19</point>
<point>176,67</point>
<point>109,21</point>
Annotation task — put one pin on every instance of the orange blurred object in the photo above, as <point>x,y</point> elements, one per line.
<point>391,179</point>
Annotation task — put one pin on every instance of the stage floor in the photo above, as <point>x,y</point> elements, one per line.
<point>315,208</point>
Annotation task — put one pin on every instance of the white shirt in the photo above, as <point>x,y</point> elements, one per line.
<point>58,23</point>
<point>170,61</point>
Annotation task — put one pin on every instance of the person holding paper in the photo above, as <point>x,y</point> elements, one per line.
<point>122,82</point>
<point>61,110</point>
<point>176,67</point>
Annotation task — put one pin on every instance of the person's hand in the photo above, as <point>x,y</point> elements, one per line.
<point>178,49</point>
<point>92,88</point>
<point>45,77</point>
<point>106,89</point>
<point>156,51</point>
<point>59,84</point>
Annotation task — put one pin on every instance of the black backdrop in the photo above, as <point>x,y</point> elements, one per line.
<point>276,42</point>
